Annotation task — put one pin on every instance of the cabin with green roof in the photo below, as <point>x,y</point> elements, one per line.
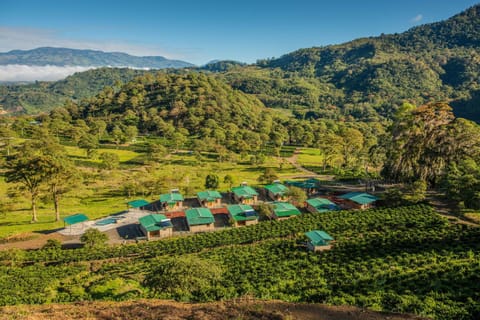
<point>318,205</point>
<point>277,192</point>
<point>284,210</point>
<point>137,204</point>
<point>156,226</point>
<point>245,194</point>
<point>319,240</point>
<point>210,199</point>
<point>358,200</point>
<point>242,214</point>
<point>171,201</point>
<point>200,219</point>
<point>310,186</point>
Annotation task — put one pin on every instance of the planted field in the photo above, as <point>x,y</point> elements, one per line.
<point>406,259</point>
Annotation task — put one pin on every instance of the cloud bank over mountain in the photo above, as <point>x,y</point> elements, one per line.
<point>17,72</point>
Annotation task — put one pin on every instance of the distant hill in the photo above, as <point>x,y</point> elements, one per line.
<point>86,58</point>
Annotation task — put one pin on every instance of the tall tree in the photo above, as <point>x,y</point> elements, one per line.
<point>6,137</point>
<point>425,140</point>
<point>31,172</point>
<point>61,177</point>
<point>351,144</point>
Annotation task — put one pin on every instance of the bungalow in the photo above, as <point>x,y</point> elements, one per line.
<point>310,186</point>
<point>210,199</point>
<point>316,205</point>
<point>171,201</point>
<point>319,240</point>
<point>245,194</point>
<point>358,200</point>
<point>155,226</point>
<point>277,192</point>
<point>200,219</point>
<point>284,210</point>
<point>242,215</point>
<point>137,204</point>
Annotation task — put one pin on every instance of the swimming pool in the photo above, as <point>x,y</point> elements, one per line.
<point>106,221</point>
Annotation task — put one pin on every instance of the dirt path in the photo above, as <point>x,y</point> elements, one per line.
<point>293,160</point>
<point>447,209</point>
<point>35,241</point>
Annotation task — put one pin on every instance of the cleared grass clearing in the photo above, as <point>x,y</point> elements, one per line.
<point>310,158</point>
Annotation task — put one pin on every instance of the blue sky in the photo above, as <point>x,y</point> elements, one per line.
<point>199,31</point>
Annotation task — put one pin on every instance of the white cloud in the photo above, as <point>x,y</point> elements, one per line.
<point>417,18</point>
<point>23,38</point>
<point>17,72</point>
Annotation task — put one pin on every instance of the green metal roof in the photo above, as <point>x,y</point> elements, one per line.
<point>198,216</point>
<point>304,184</point>
<point>171,197</point>
<point>359,197</point>
<point>75,218</point>
<point>241,212</point>
<point>137,203</point>
<point>154,222</point>
<point>285,209</point>
<point>244,192</point>
<point>209,195</point>
<point>319,237</point>
<point>322,204</point>
<point>277,188</point>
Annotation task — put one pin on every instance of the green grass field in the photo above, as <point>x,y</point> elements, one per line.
<point>101,193</point>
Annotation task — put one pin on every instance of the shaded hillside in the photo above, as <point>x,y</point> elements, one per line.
<point>74,57</point>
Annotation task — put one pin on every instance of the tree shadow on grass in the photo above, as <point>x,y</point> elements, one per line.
<point>48,231</point>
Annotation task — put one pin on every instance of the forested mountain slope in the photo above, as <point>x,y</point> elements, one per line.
<point>371,76</point>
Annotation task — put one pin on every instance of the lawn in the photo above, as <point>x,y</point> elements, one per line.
<point>311,159</point>
<point>101,192</point>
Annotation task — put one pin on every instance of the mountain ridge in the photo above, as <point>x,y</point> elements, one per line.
<point>59,56</point>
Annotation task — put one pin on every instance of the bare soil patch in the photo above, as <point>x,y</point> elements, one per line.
<point>169,310</point>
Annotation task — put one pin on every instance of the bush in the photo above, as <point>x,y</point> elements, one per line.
<point>93,238</point>
<point>52,244</point>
